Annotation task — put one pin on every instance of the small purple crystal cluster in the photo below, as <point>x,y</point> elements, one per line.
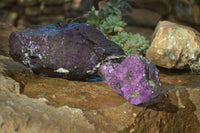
<point>71,51</point>
<point>136,78</point>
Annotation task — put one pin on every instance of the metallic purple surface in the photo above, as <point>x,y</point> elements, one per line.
<point>135,78</point>
<point>71,51</point>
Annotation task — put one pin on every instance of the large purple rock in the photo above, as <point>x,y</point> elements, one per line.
<point>135,78</point>
<point>71,51</point>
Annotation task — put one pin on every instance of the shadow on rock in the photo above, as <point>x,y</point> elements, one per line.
<point>17,71</point>
<point>162,101</point>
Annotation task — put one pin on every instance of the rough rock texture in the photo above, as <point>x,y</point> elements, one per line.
<point>8,16</point>
<point>169,111</point>
<point>187,11</point>
<point>179,78</point>
<point>25,115</point>
<point>56,105</point>
<point>135,78</point>
<point>77,106</point>
<point>62,106</point>
<point>175,46</point>
<point>71,51</point>
<point>6,29</point>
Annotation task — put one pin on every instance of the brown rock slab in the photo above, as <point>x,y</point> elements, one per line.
<point>13,70</point>
<point>25,115</point>
<point>76,94</point>
<point>175,47</point>
<point>144,31</point>
<point>179,78</point>
<point>82,106</point>
<point>177,111</point>
<point>8,16</point>
<point>143,17</point>
<point>160,6</point>
<point>32,11</point>
<point>103,108</point>
<point>53,10</point>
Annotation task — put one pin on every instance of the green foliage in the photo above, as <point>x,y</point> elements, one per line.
<point>112,25</point>
<point>106,9</point>
<point>93,18</point>
<point>109,21</point>
<point>131,43</point>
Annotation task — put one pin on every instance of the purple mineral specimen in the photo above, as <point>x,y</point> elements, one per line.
<point>136,78</point>
<point>71,51</point>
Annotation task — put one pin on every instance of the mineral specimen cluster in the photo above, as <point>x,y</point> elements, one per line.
<point>135,78</point>
<point>76,51</point>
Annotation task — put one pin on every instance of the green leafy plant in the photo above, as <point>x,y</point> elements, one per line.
<point>112,25</point>
<point>131,43</point>
<point>108,19</point>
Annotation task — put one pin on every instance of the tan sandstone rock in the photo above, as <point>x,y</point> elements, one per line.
<point>175,47</point>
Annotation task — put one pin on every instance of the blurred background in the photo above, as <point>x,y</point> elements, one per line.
<point>144,16</point>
